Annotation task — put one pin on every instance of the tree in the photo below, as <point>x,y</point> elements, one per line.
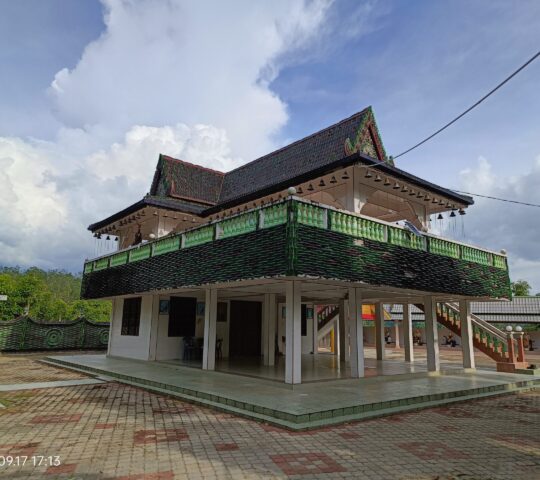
<point>521,288</point>
<point>51,296</point>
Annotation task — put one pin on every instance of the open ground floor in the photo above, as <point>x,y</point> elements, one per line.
<point>117,431</point>
<point>299,330</point>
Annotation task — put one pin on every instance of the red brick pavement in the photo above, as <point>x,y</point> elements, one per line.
<point>115,431</point>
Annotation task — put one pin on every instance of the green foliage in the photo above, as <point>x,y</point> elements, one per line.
<point>52,296</point>
<point>521,288</point>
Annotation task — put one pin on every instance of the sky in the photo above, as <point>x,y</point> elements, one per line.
<point>91,92</point>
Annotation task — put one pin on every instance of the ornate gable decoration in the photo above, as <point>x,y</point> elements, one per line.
<point>367,140</point>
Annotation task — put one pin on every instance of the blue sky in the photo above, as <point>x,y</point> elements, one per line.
<point>90,91</point>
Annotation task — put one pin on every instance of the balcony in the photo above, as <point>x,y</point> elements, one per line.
<point>295,237</point>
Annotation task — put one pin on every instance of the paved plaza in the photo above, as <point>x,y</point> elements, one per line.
<point>116,431</point>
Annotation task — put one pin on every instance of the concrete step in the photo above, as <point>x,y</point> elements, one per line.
<point>305,419</point>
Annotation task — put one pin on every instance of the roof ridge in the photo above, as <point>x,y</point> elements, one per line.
<point>360,113</point>
<point>201,167</point>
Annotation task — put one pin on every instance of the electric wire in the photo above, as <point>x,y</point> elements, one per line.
<point>507,79</point>
<point>498,198</point>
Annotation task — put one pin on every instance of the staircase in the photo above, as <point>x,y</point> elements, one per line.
<point>325,319</point>
<point>486,338</point>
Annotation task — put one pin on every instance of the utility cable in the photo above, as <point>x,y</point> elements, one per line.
<point>499,199</point>
<point>534,57</point>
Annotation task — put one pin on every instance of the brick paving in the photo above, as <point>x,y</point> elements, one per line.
<point>18,368</point>
<point>115,431</point>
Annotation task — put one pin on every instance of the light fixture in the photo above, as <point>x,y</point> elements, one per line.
<point>95,235</point>
<point>404,189</point>
<point>345,175</point>
<point>420,195</point>
<point>453,214</point>
<point>396,186</point>
<point>321,183</point>
<point>299,190</point>
<point>116,239</point>
<point>378,178</point>
<point>461,211</point>
<point>448,205</point>
<point>333,179</point>
<point>99,236</point>
<point>435,200</point>
<point>439,217</point>
<point>427,198</point>
<point>441,202</point>
<point>368,174</point>
<point>386,182</point>
<point>310,188</point>
<point>108,238</point>
<point>412,192</point>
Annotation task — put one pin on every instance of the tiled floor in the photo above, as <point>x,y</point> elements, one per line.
<point>314,368</point>
<point>304,399</point>
<point>115,431</point>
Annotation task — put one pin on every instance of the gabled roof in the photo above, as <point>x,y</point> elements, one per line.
<point>353,140</point>
<point>187,181</point>
<point>357,133</point>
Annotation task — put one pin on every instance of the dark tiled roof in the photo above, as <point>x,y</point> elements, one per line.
<point>355,139</point>
<point>301,157</point>
<point>520,309</point>
<point>178,179</point>
<point>153,201</point>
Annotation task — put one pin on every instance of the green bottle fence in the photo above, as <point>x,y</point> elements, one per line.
<point>26,334</point>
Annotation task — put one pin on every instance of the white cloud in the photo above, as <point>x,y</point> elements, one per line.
<point>189,79</point>
<point>500,225</point>
<point>161,62</point>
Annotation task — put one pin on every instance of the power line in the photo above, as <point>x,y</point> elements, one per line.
<point>500,199</point>
<point>534,57</point>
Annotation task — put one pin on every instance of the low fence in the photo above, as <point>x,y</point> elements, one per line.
<point>25,333</point>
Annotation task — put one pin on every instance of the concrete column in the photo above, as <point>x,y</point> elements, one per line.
<point>315,346</point>
<point>293,331</point>
<point>343,332</point>
<point>396,333</point>
<point>335,338</point>
<point>356,332</point>
<point>269,328</point>
<point>114,303</point>
<point>154,323</point>
<point>408,333</point>
<point>432,336</point>
<point>466,334</point>
<point>210,316</point>
<point>379,330</point>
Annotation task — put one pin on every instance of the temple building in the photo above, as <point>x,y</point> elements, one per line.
<point>247,271</point>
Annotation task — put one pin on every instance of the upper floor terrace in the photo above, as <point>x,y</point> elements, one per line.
<point>295,237</point>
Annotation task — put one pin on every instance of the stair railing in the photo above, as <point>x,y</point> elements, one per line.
<point>501,343</point>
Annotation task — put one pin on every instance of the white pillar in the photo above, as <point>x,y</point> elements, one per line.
<point>315,346</point>
<point>408,333</point>
<point>210,316</point>
<point>269,328</point>
<point>466,334</point>
<point>356,332</point>
<point>293,331</point>
<point>379,330</point>
<point>343,332</point>
<point>154,328</point>
<point>396,332</point>
<point>432,337</point>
